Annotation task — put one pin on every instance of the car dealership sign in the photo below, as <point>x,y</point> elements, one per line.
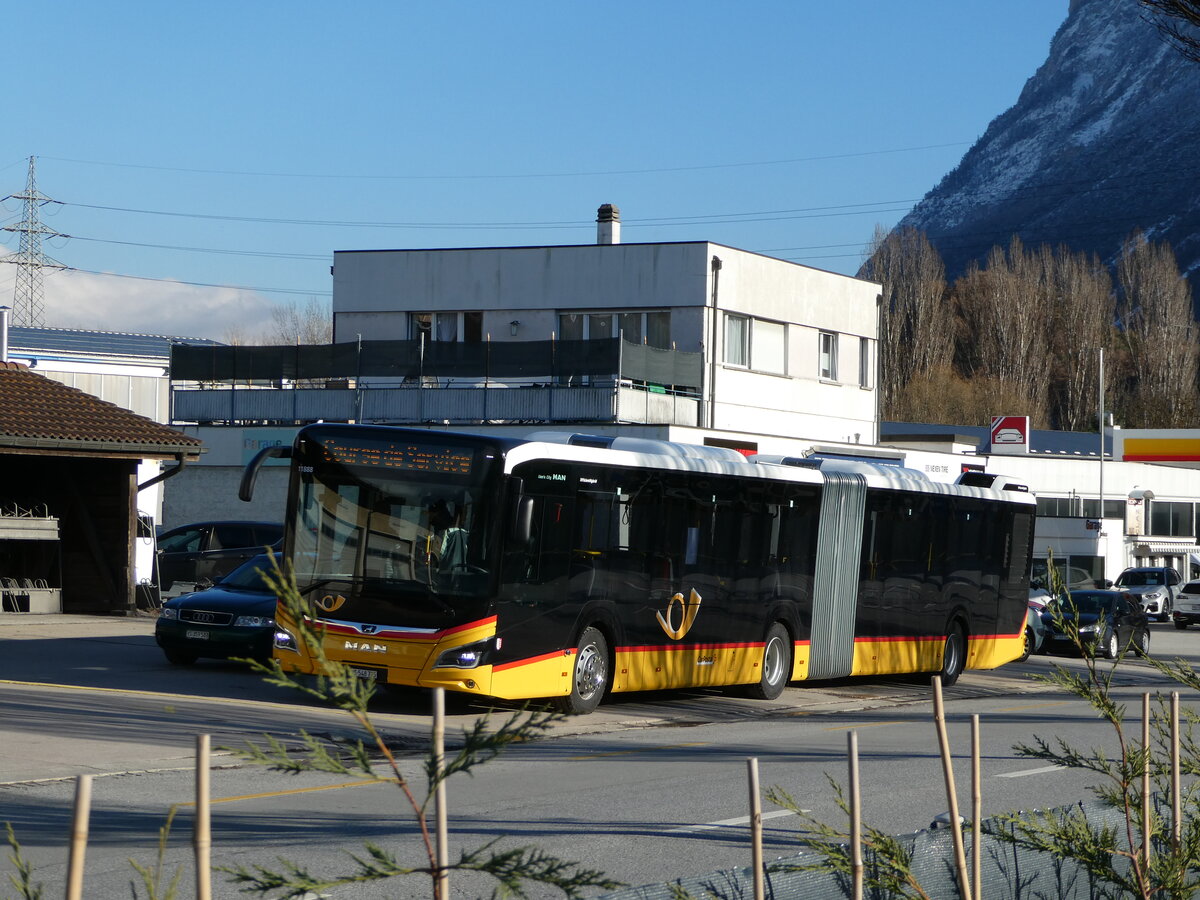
<point>1010,434</point>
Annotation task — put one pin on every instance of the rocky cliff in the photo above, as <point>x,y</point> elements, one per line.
<point>1104,139</point>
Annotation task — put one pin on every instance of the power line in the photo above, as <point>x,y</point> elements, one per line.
<point>232,287</point>
<point>261,254</point>
<point>523,175</point>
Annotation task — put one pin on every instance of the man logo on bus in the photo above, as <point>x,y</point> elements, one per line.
<point>690,607</point>
<point>329,603</point>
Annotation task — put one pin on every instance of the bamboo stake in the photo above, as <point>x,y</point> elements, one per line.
<point>203,828</point>
<point>856,860</point>
<point>977,811</point>
<point>79,836</point>
<point>756,834</point>
<point>960,856</point>
<point>1146,784</point>
<point>441,881</point>
<point>1176,788</point>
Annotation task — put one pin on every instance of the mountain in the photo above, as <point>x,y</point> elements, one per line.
<point>1104,139</point>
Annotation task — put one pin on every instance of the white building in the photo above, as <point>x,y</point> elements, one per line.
<point>787,350</point>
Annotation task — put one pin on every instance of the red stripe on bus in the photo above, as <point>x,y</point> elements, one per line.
<point>650,648</point>
<point>929,637</point>
<point>557,654</point>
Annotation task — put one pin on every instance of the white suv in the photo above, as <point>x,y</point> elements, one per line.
<point>1155,587</point>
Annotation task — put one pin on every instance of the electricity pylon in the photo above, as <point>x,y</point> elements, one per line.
<point>29,258</point>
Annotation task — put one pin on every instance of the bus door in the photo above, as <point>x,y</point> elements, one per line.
<point>537,607</point>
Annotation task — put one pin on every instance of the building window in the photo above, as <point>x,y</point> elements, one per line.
<point>651,327</point>
<point>737,341</point>
<point>1169,519</point>
<point>446,326</point>
<point>756,344</point>
<point>1113,509</point>
<point>829,352</point>
<point>864,362</point>
<point>768,347</point>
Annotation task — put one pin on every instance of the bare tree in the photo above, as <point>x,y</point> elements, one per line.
<point>296,323</point>
<point>916,338</point>
<point>1083,311</point>
<point>1004,316</point>
<point>1179,22</point>
<point>1160,336</point>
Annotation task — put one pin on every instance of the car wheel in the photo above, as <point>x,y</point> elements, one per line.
<point>1142,642</point>
<point>180,657</point>
<point>590,678</point>
<point>1166,611</point>
<point>1027,648</point>
<point>776,668</point>
<point>954,655</point>
<point>1112,648</point>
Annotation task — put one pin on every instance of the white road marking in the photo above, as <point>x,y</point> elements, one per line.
<point>732,823</point>
<point>1042,771</point>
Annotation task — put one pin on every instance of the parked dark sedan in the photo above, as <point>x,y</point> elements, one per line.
<point>1109,622</point>
<point>233,618</point>
<point>195,556</point>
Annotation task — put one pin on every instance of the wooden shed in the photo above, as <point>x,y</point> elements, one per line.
<point>68,494</point>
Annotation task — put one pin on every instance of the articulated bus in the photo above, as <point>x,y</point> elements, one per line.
<point>570,566</point>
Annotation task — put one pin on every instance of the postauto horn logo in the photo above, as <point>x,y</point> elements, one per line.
<point>689,609</point>
<point>329,602</point>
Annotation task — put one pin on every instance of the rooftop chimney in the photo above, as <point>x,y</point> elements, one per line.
<point>3,334</point>
<point>608,225</point>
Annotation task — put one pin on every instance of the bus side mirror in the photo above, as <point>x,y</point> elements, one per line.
<point>250,474</point>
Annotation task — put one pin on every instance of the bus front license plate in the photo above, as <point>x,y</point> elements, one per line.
<point>367,674</point>
<point>197,635</point>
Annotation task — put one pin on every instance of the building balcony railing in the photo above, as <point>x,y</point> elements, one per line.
<point>492,403</point>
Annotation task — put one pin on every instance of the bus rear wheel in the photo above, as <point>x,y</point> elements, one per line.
<point>776,665</point>
<point>954,655</point>
<point>590,678</point>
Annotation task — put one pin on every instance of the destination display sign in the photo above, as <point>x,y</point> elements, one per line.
<point>433,458</point>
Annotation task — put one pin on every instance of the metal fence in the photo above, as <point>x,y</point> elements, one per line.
<point>1007,872</point>
<point>419,361</point>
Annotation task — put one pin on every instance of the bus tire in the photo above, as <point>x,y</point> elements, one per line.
<point>954,654</point>
<point>1027,648</point>
<point>589,680</point>
<point>776,667</point>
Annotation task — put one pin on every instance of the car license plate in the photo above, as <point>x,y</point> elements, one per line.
<point>197,635</point>
<point>367,674</point>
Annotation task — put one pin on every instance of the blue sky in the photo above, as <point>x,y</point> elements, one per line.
<point>240,144</point>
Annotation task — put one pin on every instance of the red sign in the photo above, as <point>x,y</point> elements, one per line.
<point>1010,431</point>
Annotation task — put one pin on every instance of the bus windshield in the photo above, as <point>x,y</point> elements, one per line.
<point>393,517</point>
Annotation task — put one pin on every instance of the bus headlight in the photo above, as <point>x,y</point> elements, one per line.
<point>468,656</point>
<point>285,640</point>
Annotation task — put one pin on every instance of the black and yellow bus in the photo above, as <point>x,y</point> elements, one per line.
<point>569,566</point>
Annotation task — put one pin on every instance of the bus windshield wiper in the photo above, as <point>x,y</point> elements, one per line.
<point>321,582</point>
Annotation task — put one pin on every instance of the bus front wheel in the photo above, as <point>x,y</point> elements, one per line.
<point>590,678</point>
<point>776,665</point>
<point>954,655</point>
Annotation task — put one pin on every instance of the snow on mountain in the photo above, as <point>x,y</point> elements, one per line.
<point>1104,139</point>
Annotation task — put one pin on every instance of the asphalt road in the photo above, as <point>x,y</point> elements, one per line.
<point>649,788</point>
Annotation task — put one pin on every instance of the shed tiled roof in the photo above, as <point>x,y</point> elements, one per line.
<point>38,412</point>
